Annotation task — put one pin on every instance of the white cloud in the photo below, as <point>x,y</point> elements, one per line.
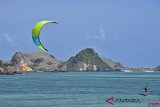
<point>7,37</point>
<point>101,35</point>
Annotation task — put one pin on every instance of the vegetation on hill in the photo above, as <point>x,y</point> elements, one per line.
<point>87,60</point>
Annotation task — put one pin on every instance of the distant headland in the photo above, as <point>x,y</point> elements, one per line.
<point>85,60</point>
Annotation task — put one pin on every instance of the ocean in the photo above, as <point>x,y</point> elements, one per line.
<point>79,89</point>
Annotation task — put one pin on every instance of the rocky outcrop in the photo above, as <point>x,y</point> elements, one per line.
<point>19,63</point>
<point>25,62</point>
<point>42,61</point>
<point>1,69</point>
<point>87,60</point>
<point>38,61</point>
<point>157,68</point>
<point>117,66</point>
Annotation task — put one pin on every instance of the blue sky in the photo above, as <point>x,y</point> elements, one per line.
<point>122,30</point>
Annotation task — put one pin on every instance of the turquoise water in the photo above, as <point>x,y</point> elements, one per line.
<point>77,89</point>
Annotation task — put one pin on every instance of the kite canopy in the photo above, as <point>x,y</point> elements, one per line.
<point>36,33</point>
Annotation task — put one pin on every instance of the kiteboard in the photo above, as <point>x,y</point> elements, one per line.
<point>142,94</point>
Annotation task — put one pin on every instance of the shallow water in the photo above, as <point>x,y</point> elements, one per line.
<point>77,89</point>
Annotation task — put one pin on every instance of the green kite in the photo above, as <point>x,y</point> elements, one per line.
<point>36,33</point>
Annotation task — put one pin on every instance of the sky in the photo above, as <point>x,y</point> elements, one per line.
<point>127,31</point>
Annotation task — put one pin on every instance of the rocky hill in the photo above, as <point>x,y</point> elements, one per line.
<point>18,63</point>
<point>157,68</point>
<point>88,60</point>
<point>42,61</point>
<point>26,62</point>
<point>117,66</point>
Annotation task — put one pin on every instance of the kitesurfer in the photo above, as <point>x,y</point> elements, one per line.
<point>145,91</point>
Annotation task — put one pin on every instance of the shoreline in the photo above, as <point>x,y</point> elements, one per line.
<point>125,71</point>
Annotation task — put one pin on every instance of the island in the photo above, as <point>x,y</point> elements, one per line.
<point>85,60</point>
